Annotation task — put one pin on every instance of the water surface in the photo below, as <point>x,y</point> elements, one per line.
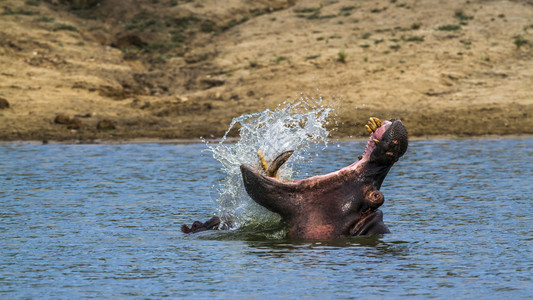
<point>103,221</point>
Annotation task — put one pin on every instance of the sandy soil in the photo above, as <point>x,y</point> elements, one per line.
<point>184,69</point>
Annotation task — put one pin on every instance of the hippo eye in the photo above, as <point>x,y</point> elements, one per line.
<point>376,195</point>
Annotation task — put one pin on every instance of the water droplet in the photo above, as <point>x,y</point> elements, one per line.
<point>293,125</point>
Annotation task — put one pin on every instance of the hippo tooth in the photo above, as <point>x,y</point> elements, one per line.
<point>376,141</point>
<point>378,122</point>
<point>372,124</point>
<point>261,156</point>
<point>375,123</point>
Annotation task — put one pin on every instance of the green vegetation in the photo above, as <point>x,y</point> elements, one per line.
<point>414,38</point>
<point>459,15</point>
<point>310,57</point>
<point>179,30</point>
<point>143,24</point>
<point>519,41</point>
<point>181,23</point>
<point>347,8</point>
<point>87,14</point>
<point>308,10</point>
<point>377,10</point>
<point>162,58</point>
<point>341,57</point>
<point>395,47</point>
<point>156,47</point>
<point>66,27</point>
<point>9,11</point>
<point>449,27</point>
<point>345,11</point>
<point>467,43</point>
<point>233,23</point>
<point>45,19</point>
<point>366,35</point>
<point>312,13</point>
<point>177,37</point>
<point>207,26</point>
<point>318,17</point>
<point>93,28</point>
<point>279,59</point>
<point>415,26</point>
<point>383,30</point>
<point>399,28</point>
<point>33,2</point>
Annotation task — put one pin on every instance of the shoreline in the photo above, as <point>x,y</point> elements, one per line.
<point>117,77</point>
<point>234,140</point>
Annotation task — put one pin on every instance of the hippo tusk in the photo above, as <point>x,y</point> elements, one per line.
<point>262,159</point>
<point>272,170</point>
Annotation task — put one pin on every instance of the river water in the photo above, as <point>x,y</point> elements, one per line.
<point>103,221</point>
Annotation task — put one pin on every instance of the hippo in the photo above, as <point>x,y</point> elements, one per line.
<point>339,204</point>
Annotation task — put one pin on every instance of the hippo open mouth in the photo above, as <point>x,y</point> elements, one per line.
<point>338,204</point>
<point>341,203</point>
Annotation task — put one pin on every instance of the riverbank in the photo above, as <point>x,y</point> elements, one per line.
<point>115,71</point>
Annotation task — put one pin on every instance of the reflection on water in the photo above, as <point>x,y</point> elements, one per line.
<point>104,221</point>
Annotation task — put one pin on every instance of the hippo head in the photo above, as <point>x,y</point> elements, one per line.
<point>341,203</point>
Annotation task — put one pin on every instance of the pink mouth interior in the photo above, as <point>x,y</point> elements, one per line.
<point>371,145</point>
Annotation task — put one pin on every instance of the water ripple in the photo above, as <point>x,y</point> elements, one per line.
<point>95,221</point>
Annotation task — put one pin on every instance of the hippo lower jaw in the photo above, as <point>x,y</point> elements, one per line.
<point>342,203</point>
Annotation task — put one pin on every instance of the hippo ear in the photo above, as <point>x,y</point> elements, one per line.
<point>268,192</point>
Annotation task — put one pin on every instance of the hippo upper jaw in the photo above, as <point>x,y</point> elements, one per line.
<point>393,142</point>
<point>384,148</point>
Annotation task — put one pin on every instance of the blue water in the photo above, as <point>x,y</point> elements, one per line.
<point>103,221</point>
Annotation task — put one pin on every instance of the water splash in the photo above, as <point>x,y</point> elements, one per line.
<point>294,125</point>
